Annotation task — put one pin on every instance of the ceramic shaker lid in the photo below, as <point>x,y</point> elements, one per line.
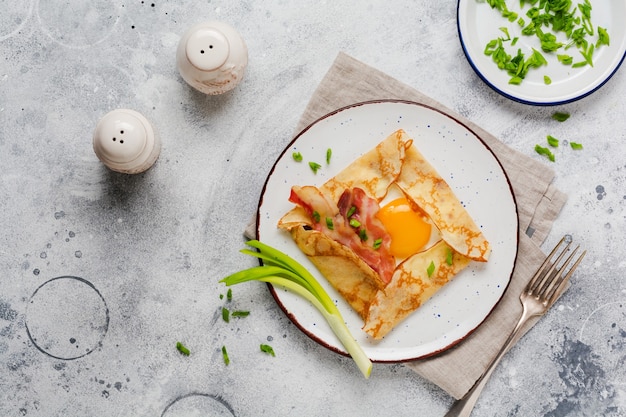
<point>125,142</point>
<point>212,57</point>
<point>207,48</point>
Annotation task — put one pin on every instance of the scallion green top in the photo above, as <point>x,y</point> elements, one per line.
<point>281,270</point>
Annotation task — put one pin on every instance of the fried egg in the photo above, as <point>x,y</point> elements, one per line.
<point>409,230</point>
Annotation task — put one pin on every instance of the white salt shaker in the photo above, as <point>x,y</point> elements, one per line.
<point>125,142</point>
<point>212,57</point>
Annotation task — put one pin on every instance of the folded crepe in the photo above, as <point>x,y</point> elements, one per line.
<point>381,289</point>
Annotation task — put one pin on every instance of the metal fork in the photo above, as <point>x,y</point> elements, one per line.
<point>538,296</point>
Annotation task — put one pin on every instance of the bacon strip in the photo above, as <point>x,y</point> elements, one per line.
<point>360,238</point>
<point>313,201</point>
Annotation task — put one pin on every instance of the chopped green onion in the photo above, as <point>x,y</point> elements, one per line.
<point>329,153</point>
<point>560,117</point>
<point>578,39</point>
<point>329,223</point>
<point>552,141</point>
<point>355,223</point>
<point>281,270</point>
<point>545,152</point>
<point>229,294</point>
<point>378,243</point>
<point>240,313</point>
<point>497,4</point>
<point>585,9</point>
<point>537,59</point>
<point>430,269</point>
<point>182,349</point>
<point>314,166</point>
<point>575,146</point>
<point>225,314</point>
<point>221,296</point>
<point>449,255</point>
<point>225,355</point>
<point>510,16</point>
<point>588,54</point>
<point>297,156</point>
<point>267,349</point>
<point>506,33</point>
<point>316,216</point>
<point>565,59</point>
<point>493,47</point>
<point>549,43</point>
<point>363,235</point>
<point>529,29</point>
<point>603,37</point>
<point>547,80</point>
<point>351,211</point>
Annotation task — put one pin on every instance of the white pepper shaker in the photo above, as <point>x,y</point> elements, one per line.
<point>212,57</point>
<point>125,142</point>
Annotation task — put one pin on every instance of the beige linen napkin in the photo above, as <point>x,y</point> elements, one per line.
<point>349,81</point>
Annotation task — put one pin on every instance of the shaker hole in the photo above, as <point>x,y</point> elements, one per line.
<point>122,141</point>
<point>201,51</point>
<point>114,139</point>
<point>121,132</point>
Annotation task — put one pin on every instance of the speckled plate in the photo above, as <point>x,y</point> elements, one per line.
<point>470,168</point>
<point>478,24</point>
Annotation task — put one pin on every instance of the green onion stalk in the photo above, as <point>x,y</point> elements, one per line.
<point>281,270</point>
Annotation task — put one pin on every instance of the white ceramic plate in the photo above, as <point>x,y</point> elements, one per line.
<point>478,24</point>
<point>472,171</point>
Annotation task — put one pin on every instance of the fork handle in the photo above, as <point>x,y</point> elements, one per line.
<point>464,406</point>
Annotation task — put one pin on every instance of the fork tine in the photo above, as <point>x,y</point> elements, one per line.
<point>535,280</point>
<point>562,281</point>
<point>545,282</point>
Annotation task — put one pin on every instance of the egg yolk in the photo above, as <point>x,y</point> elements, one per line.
<point>408,230</point>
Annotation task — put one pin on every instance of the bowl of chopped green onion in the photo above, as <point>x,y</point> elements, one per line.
<point>543,52</point>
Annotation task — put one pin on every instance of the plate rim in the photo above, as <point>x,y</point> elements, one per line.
<point>286,149</point>
<point>512,97</point>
